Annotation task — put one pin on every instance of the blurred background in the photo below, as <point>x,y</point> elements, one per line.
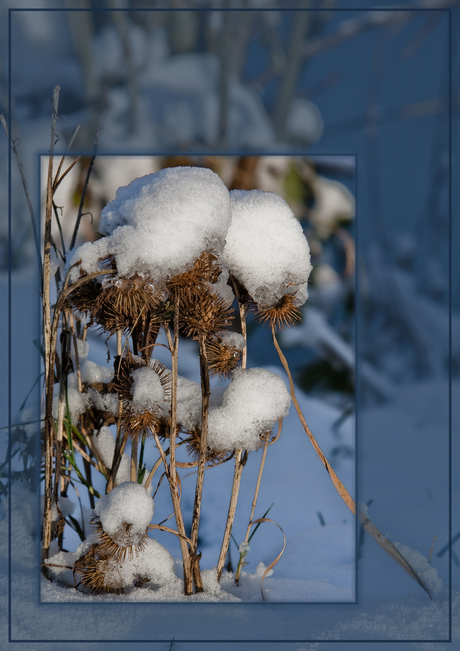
<point>346,112</point>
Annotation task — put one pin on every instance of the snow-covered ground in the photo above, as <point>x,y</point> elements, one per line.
<point>402,466</point>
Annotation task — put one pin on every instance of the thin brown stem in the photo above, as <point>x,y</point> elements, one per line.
<point>47,337</point>
<point>239,464</point>
<point>344,494</point>
<point>205,393</point>
<point>188,583</point>
<point>254,501</point>
<point>134,450</point>
<point>367,524</point>
<point>171,471</point>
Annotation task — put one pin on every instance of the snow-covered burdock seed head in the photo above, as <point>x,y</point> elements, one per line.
<point>161,223</point>
<point>122,518</point>
<point>254,400</point>
<point>266,249</point>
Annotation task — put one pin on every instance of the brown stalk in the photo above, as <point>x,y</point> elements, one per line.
<point>188,584</point>
<point>134,449</point>
<point>256,495</point>
<point>239,463</point>
<point>47,337</point>
<point>171,472</point>
<point>367,524</point>
<point>205,393</point>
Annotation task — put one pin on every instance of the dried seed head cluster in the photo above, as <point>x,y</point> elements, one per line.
<point>222,358</point>
<point>123,543</point>
<point>193,282</point>
<point>99,567</point>
<point>125,303</point>
<point>83,298</point>
<point>213,457</point>
<point>204,315</point>
<point>137,420</point>
<point>284,312</point>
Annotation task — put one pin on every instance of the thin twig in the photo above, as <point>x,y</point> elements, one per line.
<point>83,194</point>
<point>231,512</point>
<point>57,180</point>
<point>205,393</point>
<point>26,191</point>
<point>188,584</point>
<point>47,336</point>
<point>243,308</point>
<point>256,495</point>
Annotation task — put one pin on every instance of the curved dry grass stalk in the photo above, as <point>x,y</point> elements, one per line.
<point>256,494</point>
<point>368,525</point>
<point>273,563</point>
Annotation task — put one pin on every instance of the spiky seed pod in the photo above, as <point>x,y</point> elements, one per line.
<point>97,573</point>
<point>284,312</point>
<point>98,567</point>
<point>204,314</point>
<point>125,302</point>
<point>133,421</point>
<point>123,544</point>
<point>222,359</point>
<point>213,457</point>
<point>83,298</point>
<point>194,281</point>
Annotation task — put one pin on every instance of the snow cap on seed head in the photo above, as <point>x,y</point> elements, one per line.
<point>266,248</point>
<point>127,503</point>
<point>160,224</point>
<point>253,402</point>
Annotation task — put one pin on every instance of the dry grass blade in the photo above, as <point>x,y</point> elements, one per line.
<point>83,194</point>
<point>390,549</point>
<point>57,178</point>
<point>161,527</point>
<point>26,189</point>
<point>273,563</point>
<point>368,525</point>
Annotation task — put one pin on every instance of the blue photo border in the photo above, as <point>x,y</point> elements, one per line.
<point>357,370</point>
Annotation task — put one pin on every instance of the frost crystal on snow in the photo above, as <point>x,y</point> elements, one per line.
<point>266,248</point>
<point>127,503</point>
<point>254,400</point>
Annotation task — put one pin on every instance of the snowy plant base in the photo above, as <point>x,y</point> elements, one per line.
<point>248,590</point>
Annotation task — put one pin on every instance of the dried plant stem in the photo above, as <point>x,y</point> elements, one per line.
<point>171,472</point>
<point>367,524</point>
<point>205,393</point>
<point>26,192</point>
<point>117,456</point>
<point>254,501</point>
<point>47,337</point>
<point>344,494</point>
<point>239,464</point>
<point>75,347</point>
<point>134,450</point>
<point>188,584</point>
<point>83,194</point>
<point>158,464</point>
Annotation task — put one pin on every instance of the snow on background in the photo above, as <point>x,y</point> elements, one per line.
<point>403,333</point>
